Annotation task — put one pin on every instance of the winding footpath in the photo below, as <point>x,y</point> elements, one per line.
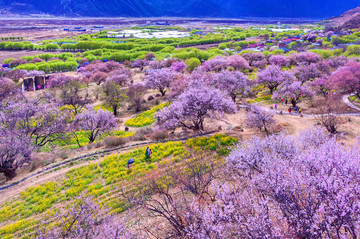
<point>345,99</point>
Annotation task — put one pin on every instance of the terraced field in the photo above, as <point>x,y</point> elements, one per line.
<point>104,179</point>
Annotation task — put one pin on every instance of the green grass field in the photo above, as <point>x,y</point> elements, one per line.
<point>146,118</point>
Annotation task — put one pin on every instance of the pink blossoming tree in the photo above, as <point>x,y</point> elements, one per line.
<point>194,106</point>
<point>293,91</point>
<point>258,117</point>
<point>279,60</point>
<point>95,122</point>
<point>273,76</point>
<point>347,78</point>
<point>233,83</point>
<point>160,79</point>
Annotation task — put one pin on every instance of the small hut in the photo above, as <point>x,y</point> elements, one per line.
<point>35,83</point>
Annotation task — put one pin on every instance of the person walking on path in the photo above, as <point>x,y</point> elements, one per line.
<point>275,106</point>
<point>293,101</point>
<point>300,110</point>
<point>282,101</point>
<point>147,152</point>
<point>289,110</point>
<point>286,101</point>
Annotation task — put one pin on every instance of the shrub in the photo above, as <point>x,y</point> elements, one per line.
<point>192,63</point>
<point>159,135</point>
<point>140,135</point>
<point>114,141</point>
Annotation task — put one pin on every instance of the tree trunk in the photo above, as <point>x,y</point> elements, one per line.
<point>77,139</point>
<point>115,110</point>
<point>10,173</point>
<point>92,138</point>
<point>162,91</point>
<point>233,97</point>
<point>332,129</point>
<point>271,90</point>
<point>266,131</point>
<point>196,126</point>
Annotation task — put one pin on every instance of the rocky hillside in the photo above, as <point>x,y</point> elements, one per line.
<point>189,8</point>
<point>348,20</point>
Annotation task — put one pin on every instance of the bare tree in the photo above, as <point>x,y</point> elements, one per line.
<point>328,113</point>
<point>197,178</point>
<point>136,95</point>
<point>170,197</point>
<point>84,219</point>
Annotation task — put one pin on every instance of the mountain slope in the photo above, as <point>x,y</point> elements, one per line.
<point>348,20</point>
<point>196,8</point>
<point>286,8</point>
<point>184,8</point>
<point>91,8</point>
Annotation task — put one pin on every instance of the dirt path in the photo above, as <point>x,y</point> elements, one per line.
<point>346,100</point>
